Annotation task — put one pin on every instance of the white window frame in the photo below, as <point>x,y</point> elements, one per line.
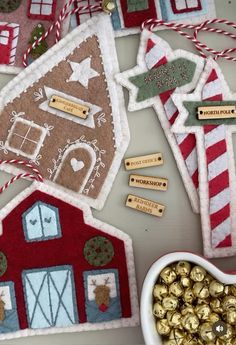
<point>187,7</point>
<point>38,146</point>
<point>41,5</point>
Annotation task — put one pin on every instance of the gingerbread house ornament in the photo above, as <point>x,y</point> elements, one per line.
<point>65,113</point>
<point>83,275</point>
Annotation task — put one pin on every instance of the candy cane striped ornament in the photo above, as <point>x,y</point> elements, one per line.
<point>156,56</point>
<point>217,170</point>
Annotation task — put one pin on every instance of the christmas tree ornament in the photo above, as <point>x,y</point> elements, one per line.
<point>209,113</point>
<point>83,275</point>
<point>128,15</point>
<point>65,113</point>
<point>21,23</point>
<point>176,72</point>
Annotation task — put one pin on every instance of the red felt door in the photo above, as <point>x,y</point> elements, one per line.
<point>6,37</point>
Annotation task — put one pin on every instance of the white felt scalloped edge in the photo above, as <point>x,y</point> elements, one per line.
<point>178,127</point>
<point>100,26</point>
<point>106,228</point>
<point>123,79</point>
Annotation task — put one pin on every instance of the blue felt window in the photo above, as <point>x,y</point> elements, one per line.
<point>9,322</point>
<point>105,283</point>
<point>50,297</point>
<point>41,222</point>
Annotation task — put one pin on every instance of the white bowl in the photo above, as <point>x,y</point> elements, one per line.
<point>148,323</point>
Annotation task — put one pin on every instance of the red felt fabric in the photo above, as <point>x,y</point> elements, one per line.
<point>67,250</point>
<point>226,243</point>
<point>187,9</point>
<point>132,19</point>
<point>215,183</point>
<point>42,16</point>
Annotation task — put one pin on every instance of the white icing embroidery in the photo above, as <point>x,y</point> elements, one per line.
<point>36,160</point>
<point>101,119</point>
<point>38,95</point>
<point>48,128</point>
<point>82,72</point>
<point>93,109</point>
<point>15,115</point>
<point>3,148</point>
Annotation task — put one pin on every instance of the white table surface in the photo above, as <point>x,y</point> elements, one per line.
<point>179,229</point>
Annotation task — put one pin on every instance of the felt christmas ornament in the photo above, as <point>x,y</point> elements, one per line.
<point>160,73</point>
<point>215,156</point>
<point>130,14</point>
<point>18,19</point>
<point>82,278</point>
<point>65,113</point>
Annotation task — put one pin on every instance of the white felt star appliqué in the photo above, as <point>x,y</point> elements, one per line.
<point>82,72</point>
<point>217,183</point>
<point>157,62</point>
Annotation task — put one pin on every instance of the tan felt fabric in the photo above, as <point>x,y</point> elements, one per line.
<point>64,130</point>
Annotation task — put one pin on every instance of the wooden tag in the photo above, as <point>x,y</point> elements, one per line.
<point>144,161</point>
<point>217,112</point>
<point>148,182</point>
<point>69,107</point>
<point>145,205</point>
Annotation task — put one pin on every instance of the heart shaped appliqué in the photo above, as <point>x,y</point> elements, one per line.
<point>76,165</point>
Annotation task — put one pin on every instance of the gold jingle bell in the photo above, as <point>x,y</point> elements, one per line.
<point>188,296</point>
<point>206,332</point>
<point>186,309</point>
<point>186,282</point>
<point>197,274</point>
<point>216,305</point>
<point>229,334</point>
<point>159,311</point>
<point>168,275</point>
<point>160,291</point>
<point>229,302</point>
<point>108,6</point>
<point>177,336</point>
<point>213,318</point>
<point>174,319</point>
<point>183,268</point>
<point>203,312</point>
<point>176,289</point>
<point>190,322</point>
<point>170,303</point>
<point>216,289</point>
<point>190,339</point>
<point>200,290</point>
<point>163,327</point>
<point>231,317</point>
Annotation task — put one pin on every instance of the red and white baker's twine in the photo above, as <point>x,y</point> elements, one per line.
<point>152,23</point>
<point>35,176</point>
<point>62,16</point>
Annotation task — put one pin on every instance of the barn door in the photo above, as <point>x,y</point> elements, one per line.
<point>76,167</point>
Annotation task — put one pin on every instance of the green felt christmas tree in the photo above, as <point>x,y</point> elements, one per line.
<point>7,6</point>
<point>42,47</point>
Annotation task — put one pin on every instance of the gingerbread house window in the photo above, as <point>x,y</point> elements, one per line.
<point>183,6</point>
<point>42,9</point>
<point>8,42</point>
<point>25,138</point>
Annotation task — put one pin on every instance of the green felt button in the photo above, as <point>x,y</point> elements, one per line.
<point>192,108</point>
<point>7,6</point>
<point>98,251</point>
<point>164,78</point>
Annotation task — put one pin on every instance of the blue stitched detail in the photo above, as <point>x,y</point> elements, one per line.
<point>94,312</point>
<point>10,322</point>
<point>168,15</point>
<point>50,297</point>
<point>41,222</point>
<point>115,18</point>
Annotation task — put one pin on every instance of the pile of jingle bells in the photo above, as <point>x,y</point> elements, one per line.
<point>192,308</point>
